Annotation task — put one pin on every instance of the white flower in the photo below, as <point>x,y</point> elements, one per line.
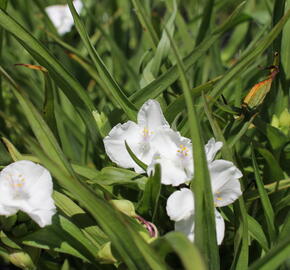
<point>138,136</point>
<point>27,186</point>
<point>174,154</point>
<point>61,17</point>
<point>226,189</point>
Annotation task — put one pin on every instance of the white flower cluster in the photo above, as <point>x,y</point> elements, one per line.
<point>61,17</point>
<point>27,186</point>
<point>153,141</point>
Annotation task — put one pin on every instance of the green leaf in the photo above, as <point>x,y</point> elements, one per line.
<point>276,137</point>
<point>248,58</point>
<point>267,207</point>
<point>48,106</point>
<point>188,253</point>
<point>118,176</point>
<point>72,89</point>
<point>143,17</point>
<point>206,21</point>
<point>274,258</point>
<point>128,243</point>
<point>80,218</point>
<point>256,231</point>
<point>149,202</point>
<point>205,229</point>
<point>177,105</point>
<point>134,157</point>
<point>109,81</point>
<point>62,236</point>
<point>155,88</point>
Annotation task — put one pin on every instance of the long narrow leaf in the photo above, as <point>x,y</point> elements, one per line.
<point>205,232</point>
<point>73,90</point>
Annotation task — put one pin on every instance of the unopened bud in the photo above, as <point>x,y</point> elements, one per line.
<point>124,206</point>
<point>22,260</point>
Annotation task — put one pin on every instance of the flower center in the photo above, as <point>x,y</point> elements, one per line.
<point>146,133</point>
<point>217,198</point>
<point>182,151</point>
<point>16,181</point>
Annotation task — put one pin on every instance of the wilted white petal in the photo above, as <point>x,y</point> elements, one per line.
<point>174,154</point>
<point>211,148</point>
<point>226,187</point>
<point>27,186</point>
<point>150,116</point>
<point>180,204</point>
<point>61,17</point>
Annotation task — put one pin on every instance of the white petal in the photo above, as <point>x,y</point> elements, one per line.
<point>186,226</point>
<point>180,204</point>
<point>61,17</point>
<point>78,4</point>
<point>220,227</point>
<point>42,217</point>
<point>167,142</point>
<point>150,116</point>
<point>225,184</point>
<point>115,143</point>
<point>27,186</point>
<point>211,148</point>
<point>174,154</point>
<point>172,171</point>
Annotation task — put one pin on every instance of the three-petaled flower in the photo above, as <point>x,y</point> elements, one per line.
<point>27,186</point>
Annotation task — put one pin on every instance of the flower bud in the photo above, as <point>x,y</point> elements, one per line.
<point>124,206</point>
<point>22,260</point>
<point>105,254</point>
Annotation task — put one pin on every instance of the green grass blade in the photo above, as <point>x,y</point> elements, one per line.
<point>145,22</point>
<point>38,125</point>
<point>169,77</point>
<point>205,230</point>
<point>133,156</point>
<point>148,204</point>
<point>241,256</point>
<point>274,258</point>
<point>267,207</point>
<point>177,105</point>
<point>73,90</point>
<point>48,106</point>
<point>188,253</point>
<point>206,20</point>
<point>65,237</point>
<point>250,57</point>
<point>107,78</point>
<point>118,227</point>
<point>256,231</point>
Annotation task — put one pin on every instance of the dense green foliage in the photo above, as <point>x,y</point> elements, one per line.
<point>199,59</point>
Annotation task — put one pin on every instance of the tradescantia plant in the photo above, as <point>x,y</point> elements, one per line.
<point>119,146</point>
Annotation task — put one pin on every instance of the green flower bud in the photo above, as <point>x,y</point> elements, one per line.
<point>22,260</point>
<point>124,206</point>
<point>105,254</point>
